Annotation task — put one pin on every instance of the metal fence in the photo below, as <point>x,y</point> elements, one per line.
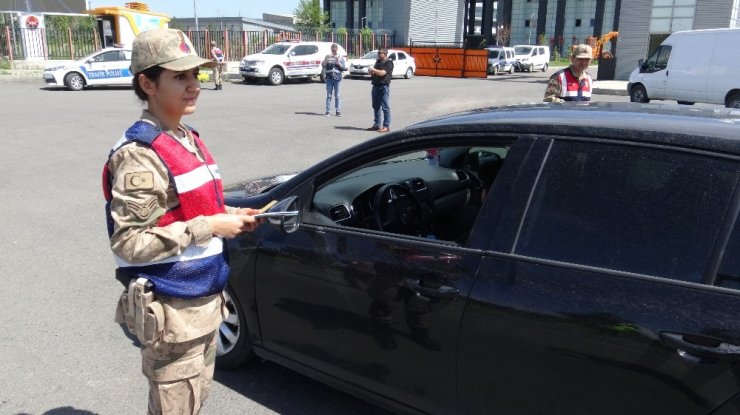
<point>21,44</point>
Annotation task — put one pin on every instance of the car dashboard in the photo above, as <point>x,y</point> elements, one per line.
<point>410,197</point>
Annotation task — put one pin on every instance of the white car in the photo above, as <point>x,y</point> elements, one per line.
<point>110,66</point>
<point>531,57</point>
<point>287,60</point>
<point>403,64</point>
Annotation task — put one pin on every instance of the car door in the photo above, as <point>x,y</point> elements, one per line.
<point>400,65</point>
<point>376,308</point>
<point>120,70</point>
<point>393,57</point>
<point>100,69</point>
<point>599,292</point>
<point>654,72</point>
<point>304,60</point>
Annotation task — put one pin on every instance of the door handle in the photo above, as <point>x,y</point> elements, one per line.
<point>442,291</point>
<point>693,347</point>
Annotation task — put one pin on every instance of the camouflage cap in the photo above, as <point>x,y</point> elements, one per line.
<point>581,52</point>
<point>168,48</point>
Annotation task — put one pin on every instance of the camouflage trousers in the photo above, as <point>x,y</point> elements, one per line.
<point>179,374</point>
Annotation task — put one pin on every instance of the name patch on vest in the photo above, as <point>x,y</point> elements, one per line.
<point>143,180</point>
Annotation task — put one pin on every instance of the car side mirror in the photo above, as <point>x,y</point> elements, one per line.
<point>284,214</point>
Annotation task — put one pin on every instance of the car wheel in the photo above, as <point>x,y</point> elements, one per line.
<point>511,70</point>
<point>733,101</point>
<point>74,81</point>
<point>544,67</point>
<point>409,73</point>
<point>275,77</point>
<point>639,94</point>
<point>232,341</point>
<point>495,70</point>
<point>531,68</point>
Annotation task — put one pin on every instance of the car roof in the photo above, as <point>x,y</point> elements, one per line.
<point>290,42</point>
<point>702,128</point>
<point>658,124</point>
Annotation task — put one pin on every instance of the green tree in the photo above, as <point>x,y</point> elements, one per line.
<point>310,17</point>
<point>69,22</point>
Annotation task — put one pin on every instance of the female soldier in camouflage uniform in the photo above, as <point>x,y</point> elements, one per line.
<point>166,221</point>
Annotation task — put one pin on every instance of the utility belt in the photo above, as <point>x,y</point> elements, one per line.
<point>165,319</point>
<point>138,309</point>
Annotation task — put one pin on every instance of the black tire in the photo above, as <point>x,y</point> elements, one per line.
<point>495,70</point>
<point>639,94</point>
<point>544,67</point>
<point>74,81</point>
<point>511,70</point>
<point>531,68</point>
<point>409,73</point>
<point>233,346</point>
<point>733,101</point>
<point>275,76</point>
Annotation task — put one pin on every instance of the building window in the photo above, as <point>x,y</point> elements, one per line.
<point>526,23</point>
<point>338,13</point>
<point>578,22</point>
<point>669,16</point>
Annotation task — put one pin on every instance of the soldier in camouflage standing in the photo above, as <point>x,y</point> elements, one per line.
<point>166,221</point>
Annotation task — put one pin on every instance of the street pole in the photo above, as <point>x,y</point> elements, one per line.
<point>195,13</point>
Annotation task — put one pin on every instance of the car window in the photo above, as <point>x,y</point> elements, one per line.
<point>658,60</point>
<point>276,49</point>
<point>729,270</point>
<point>303,50</point>
<point>522,50</point>
<point>110,56</point>
<point>392,56</point>
<point>126,55</point>
<point>371,55</point>
<point>401,56</point>
<point>433,193</point>
<point>627,208</point>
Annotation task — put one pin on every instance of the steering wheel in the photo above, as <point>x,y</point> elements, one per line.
<point>396,210</point>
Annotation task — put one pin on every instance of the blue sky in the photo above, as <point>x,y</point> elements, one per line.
<point>212,8</point>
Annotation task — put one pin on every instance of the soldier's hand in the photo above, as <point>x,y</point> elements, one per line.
<point>230,225</point>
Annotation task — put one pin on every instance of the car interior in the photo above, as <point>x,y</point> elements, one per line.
<point>434,194</point>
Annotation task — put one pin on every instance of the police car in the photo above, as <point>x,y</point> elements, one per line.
<point>290,59</point>
<point>110,66</point>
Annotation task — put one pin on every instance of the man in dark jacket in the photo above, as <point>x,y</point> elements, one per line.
<point>381,74</point>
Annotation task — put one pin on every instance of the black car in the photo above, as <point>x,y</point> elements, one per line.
<point>555,258</point>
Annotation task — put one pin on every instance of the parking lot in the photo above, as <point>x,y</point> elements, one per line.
<point>62,352</point>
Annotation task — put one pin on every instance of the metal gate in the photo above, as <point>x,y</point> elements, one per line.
<point>449,62</point>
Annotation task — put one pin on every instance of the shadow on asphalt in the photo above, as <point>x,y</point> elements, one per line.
<point>349,128</point>
<point>308,113</point>
<point>287,392</point>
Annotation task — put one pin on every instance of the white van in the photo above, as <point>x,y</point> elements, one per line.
<point>691,66</point>
<point>287,60</point>
<point>531,57</point>
<point>501,59</point>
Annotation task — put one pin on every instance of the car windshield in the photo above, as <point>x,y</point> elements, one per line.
<point>371,55</point>
<point>522,50</point>
<point>276,49</point>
